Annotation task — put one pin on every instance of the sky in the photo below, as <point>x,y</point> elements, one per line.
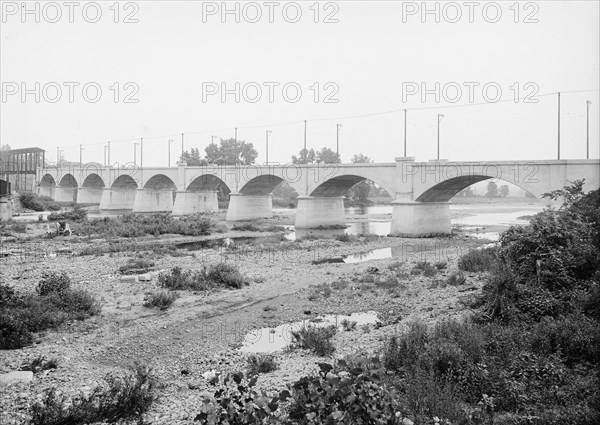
<point>162,69</point>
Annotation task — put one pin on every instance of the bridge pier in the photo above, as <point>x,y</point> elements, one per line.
<point>148,200</point>
<point>6,209</point>
<point>117,199</point>
<point>320,211</point>
<point>89,195</point>
<point>249,207</point>
<point>190,202</point>
<point>418,219</point>
<point>46,191</point>
<point>65,194</point>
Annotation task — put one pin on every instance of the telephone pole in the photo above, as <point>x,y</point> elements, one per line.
<point>337,142</point>
<point>169,156</point>
<point>440,116</point>
<point>135,145</point>
<point>181,147</point>
<point>305,151</point>
<point>587,143</point>
<point>267,140</point>
<point>405,133</point>
<point>558,125</point>
<point>141,151</point>
<point>80,156</point>
<point>108,156</point>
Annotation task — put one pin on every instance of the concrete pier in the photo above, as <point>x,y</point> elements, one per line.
<point>89,195</point>
<point>189,202</point>
<point>249,207</point>
<point>148,200</point>
<point>117,199</point>
<point>65,194</point>
<point>418,219</point>
<point>320,211</point>
<point>46,191</point>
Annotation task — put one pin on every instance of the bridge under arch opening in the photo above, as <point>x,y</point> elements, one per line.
<point>47,181</point>
<point>68,181</point>
<point>93,181</point>
<point>46,186</point>
<point>124,182</point>
<point>160,182</point>
<point>340,185</point>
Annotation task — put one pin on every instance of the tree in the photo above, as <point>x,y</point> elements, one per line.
<point>5,148</point>
<point>466,193</point>
<point>305,156</point>
<point>192,158</point>
<point>504,191</point>
<point>361,159</point>
<point>327,156</point>
<point>492,190</point>
<point>230,152</point>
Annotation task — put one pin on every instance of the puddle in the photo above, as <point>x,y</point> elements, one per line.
<point>212,243</point>
<point>268,340</point>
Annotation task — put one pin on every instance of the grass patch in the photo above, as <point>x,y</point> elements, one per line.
<point>317,339</point>
<point>426,268</point>
<point>220,275</point>
<point>478,260</point>
<point>75,214</point>
<point>121,398</point>
<point>261,363</point>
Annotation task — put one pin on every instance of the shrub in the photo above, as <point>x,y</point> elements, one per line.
<point>213,276</point>
<point>76,214</point>
<point>123,398</point>
<point>441,265</point>
<point>457,279</point>
<point>136,266</point>
<point>478,260</point>
<point>261,363</point>
<point>161,300</point>
<point>227,275</point>
<point>53,282</point>
<point>427,269</point>
<point>314,338</point>
<point>38,203</point>
<point>348,325</point>
<point>246,227</point>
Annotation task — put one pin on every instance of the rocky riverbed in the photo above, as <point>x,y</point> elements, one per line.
<point>289,282</point>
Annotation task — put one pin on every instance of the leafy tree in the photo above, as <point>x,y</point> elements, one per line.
<point>492,190</point>
<point>361,159</point>
<point>327,156</point>
<point>305,156</point>
<point>193,158</point>
<point>466,193</point>
<point>504,191</point>
<point>230,152</point>
<point>5,148</point>
<point>360,191</point>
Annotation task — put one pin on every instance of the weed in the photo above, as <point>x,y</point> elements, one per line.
<point>315,338</point>
<point>348,325</point>
<point>427,269</point>
<point>161,300</point>
<point>478,260</point>
<point>457,279</point>
<point>261,363</point>
<point>53,282</point>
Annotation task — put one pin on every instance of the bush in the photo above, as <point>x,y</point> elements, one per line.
<point>348,325</point>
<point>39,364</point>
<point>34,202</point>
<point>427,269</point>
<point>478,260</point>
<point>161,300</point>
<point>213,276</point>
<point>53,282</point>
<point>261,363</point>
<point>76,214</point>
<point>457,279</point>
<point>136,266</point>
<point>227,275</point>
<point>316,339</point>
<point>123,398</point>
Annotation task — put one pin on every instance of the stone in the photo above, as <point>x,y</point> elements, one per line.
<point>15,377</point>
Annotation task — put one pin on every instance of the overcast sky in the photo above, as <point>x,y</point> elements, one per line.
<point>370,61</point>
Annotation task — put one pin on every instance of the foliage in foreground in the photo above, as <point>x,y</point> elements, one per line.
<point>220,275</point>
<point>161,300</point>
<point>317,339</point>
<point>261,363</point>
<point>34,202</point>
<point>132,225</point>
<point>122,398</point>
<point>55,302</point>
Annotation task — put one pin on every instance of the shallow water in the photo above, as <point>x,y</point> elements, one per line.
<point>268,340</point>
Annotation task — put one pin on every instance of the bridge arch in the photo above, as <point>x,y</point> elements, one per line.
<point>124,182</point>
<point>47,181</point>
<point>339,185</point>
<point>447,189</point>
<point>160,182</point>
<point>207,182</point>
<point>68,181</point>
<point>94,181</point>
<point>261,185</point>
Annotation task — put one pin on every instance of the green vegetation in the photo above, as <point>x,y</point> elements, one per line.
<point>122,398</point>
<point>75,214</point>
<point>54,303</point>
<point>161,300</point>
<point>315,338</point>
<point>132,225</point>
<point>426,268</point>
<point>478,260</point>
<point>34,202</point>
<point>457,279</point>
<point>220,275</point>
<point>261,363</point>
<point>136,266</point>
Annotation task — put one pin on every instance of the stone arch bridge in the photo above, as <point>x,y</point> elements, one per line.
<point>421,190</point>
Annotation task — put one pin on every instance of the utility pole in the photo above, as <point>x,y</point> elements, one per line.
<point>440,116</point>
<point>170,141</point>
<point>305,151</point>
<point>181,147</point>
<point>267,140</point>
<point>108,156</point>
<point>405,133</point>
<point>141,151</point>
<point>235,147</point>
<point>135,145</point>
<point>337,142</point>
<point>558,125</point>
<point>587,143</point>
<point>57,155</point>
<point>80,156</point>
<point>105,156</point>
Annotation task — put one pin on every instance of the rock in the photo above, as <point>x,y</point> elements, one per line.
<point>194,385</point>
<point>10,378</point>
<point>145,277</point>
